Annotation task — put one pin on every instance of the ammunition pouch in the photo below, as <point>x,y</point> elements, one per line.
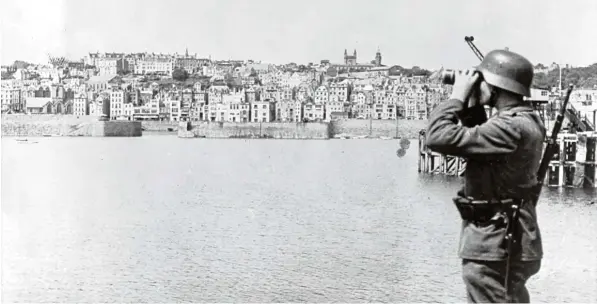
<point>483,210</point>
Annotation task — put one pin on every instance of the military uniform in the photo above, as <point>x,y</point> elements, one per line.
<point>503,155</point>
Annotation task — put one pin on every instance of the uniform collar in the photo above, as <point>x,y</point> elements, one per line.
<point>515,107</point>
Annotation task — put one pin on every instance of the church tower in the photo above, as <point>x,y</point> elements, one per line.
<point>378,57</point>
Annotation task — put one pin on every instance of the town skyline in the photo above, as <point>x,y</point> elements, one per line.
<point>428,34</point>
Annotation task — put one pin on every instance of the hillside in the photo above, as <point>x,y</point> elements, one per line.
<point>580,77</point>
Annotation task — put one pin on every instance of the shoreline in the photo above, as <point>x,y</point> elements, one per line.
<point>336,129</point>
<point>49,125</point>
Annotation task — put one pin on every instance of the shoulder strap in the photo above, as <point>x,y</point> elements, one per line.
<point>514,111</point>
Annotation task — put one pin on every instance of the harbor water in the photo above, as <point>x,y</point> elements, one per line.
<point>163,219</point>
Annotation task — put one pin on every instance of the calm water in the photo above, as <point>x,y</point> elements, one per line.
<point>162,219</point>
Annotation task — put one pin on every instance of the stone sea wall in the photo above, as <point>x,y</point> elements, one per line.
<point>277,130</point>
<point>159,126</point>
<point>377,128</point>
<point>335,129</point>
<point>71,125</point>
<point>66,125</point>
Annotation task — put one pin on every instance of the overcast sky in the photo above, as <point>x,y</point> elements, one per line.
<point>422,32</point>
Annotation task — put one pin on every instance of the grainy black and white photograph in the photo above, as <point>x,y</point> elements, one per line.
<point>298,151</point>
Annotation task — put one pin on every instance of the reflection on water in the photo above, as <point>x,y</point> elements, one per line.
<point>161,219</point>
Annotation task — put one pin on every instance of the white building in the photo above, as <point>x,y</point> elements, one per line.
<point>81,105</point>
<point>118,99</point>
<point>262,111</point>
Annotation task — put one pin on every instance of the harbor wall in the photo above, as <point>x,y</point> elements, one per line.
<point>377,128</point>
<point>66,125</point>
<point>159,126</point>
<point>276,130</point>
<point>350,128</point>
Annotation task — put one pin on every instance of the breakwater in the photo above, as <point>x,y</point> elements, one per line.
<point>347,128</point>
<point>351,128</point>
<point>67,125</point>
<point>159,126</point>
<point>277,130</point>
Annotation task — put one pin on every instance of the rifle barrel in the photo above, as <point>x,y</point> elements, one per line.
<point>552,146</point>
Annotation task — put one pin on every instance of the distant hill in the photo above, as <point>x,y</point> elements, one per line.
<point>21,64</point>
<point>414,71</point>
<point>580,77</point>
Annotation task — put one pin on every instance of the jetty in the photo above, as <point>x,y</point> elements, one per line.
<point>68,126</point>
<point>573,166</point>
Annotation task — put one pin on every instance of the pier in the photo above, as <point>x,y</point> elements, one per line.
<point>574,165</point>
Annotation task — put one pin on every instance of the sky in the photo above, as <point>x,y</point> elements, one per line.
<point>425,33</point>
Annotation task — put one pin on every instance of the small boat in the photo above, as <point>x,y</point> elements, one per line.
<point>25,141</point>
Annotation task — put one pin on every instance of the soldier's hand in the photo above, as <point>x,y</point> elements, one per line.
<point>464,84</point>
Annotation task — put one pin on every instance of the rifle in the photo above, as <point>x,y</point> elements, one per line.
<point>551,148</point>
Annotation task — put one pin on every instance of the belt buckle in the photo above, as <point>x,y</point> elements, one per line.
<point>484,210</point>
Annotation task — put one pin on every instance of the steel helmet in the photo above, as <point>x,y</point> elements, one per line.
<point>507,70</point>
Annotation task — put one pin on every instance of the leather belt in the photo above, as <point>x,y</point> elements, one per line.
<point>481,210</point>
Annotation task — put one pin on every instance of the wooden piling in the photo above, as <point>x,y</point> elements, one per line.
<point>562,168</point>
<point>590,163</point>
<point>435,163</point>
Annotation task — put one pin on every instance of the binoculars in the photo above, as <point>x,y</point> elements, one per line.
<point>449,76</point>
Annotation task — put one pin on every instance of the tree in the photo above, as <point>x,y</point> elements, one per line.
<point>541,81</point>
<point>180,75</point>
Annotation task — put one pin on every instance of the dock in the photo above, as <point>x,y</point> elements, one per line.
<point>573,166</point>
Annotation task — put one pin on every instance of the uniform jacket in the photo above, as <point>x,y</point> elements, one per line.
<point>503,155</point>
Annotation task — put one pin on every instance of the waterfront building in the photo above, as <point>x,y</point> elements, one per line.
<point>313,111</point>
<point>148,111</point>
<point>333,107</point>
<point>175,105</point>
<point>11,100</point>
<point>289,111</point>
<point>81,105</point>
<point>238,112</point>
<point>120,107</point>
<point>262,111</point>
<point>38,105</point>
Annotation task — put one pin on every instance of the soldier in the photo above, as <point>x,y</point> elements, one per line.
<point>503,155</point>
